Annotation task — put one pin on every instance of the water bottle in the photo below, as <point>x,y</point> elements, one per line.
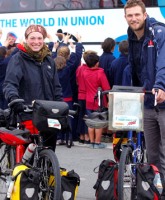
<point>158,183</point>
<point>28,153</point>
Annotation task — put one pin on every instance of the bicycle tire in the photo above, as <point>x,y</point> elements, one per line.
<point>50,183</point>
<point>7,162</point>
<point>126,190</point>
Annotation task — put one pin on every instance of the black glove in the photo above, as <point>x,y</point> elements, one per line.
<point>18,107</point>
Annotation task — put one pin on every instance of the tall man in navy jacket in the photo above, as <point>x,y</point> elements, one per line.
<point>147,61</point>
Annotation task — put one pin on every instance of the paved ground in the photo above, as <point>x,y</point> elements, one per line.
<point>83,160</point>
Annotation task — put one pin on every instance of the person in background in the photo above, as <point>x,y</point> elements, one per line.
<point>31,74</point>
<point>105,61</point>
<point>5,56</point>
<point>146,38</point>
<point>127,77</point>
<point>94,77</point>
<point>107,56</point>
<point>11,37</point>
<point>62,40</point>
<point>66,70</point>
<point>118,65</point>
<point>60,36</point>
<point>81,127</point>
<point>3,66</point>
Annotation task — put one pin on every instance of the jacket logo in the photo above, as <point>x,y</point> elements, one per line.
<point>55,110</point>
<point>49,67</point>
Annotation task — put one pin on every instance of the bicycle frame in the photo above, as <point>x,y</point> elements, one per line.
<point>135,145</point>
<point>137,151</point>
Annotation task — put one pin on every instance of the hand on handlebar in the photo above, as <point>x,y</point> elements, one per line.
<point>159,95</point>
<point>18,107</point>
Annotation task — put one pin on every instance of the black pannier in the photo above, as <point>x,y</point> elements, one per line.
<point>48,115</point>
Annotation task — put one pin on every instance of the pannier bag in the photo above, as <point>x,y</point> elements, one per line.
<point>149,183</point>
<point>70,182</point>
<point>26,183</point>
<point>106,184</point>
<point>48,115</point>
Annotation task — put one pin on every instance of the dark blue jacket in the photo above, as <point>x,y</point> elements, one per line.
<point>30,80</point>
<point>73,63</point>
<point>105,62</point>
<point>126,79</point>
<point>151,72</point>
<point>67,75</point>
<point>3,65</point>
<point>116,70</point>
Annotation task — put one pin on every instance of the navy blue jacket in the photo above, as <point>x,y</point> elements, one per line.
<point>67,74</point>
<point>126,79</point>
<point>73,63</point>
<point>116,70</point>
<point>105,62</point>
<point>3,65</point>
<point>30,80</point>
<point>151,72</point>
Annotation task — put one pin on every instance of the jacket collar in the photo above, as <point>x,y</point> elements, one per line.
<point>149,22</point>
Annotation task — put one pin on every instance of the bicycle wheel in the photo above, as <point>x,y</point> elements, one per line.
<point>126,189</point>
<point>7,163</point>
<point>50,183</point>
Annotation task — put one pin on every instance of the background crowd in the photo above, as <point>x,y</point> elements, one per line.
<point>80,74</point>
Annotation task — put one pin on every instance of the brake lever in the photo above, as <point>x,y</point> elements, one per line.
<point>155,101</point>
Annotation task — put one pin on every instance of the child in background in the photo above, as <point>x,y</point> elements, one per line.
<point>94,77</point>
<point>82,128</point>
<point>67,64</point>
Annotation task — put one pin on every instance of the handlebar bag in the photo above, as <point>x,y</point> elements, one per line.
<point>48,115</point>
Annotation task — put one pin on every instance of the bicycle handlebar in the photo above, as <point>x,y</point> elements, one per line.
<point>15,101</point>
<point>123,89</point>
<point>29,108</point>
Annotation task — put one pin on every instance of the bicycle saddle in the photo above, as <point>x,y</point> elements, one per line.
<point>97,120</point>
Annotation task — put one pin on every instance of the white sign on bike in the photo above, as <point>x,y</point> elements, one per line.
<point>54,123</point>
<point>126,111</point>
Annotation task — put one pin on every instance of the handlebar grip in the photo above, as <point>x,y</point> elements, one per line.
<point>72,112</point>
<point>76,110</point>
<point>15,101</point>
